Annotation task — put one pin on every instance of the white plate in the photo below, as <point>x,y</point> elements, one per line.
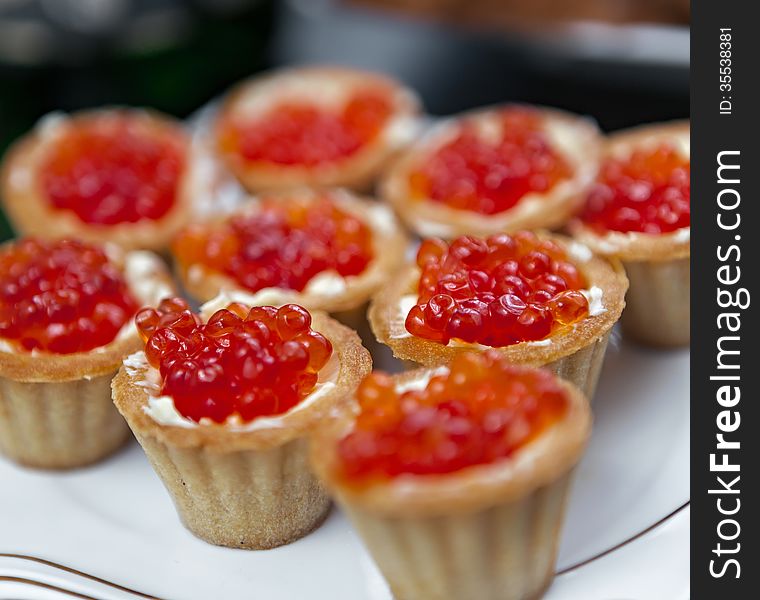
<point>90,531</point>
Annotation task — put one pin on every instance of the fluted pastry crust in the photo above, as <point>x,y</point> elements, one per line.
<point>658,311</point>
<point>505,552</point>
<point>488,531</point>
<point>253,499</point>
<point>245,489</point>
<point>55,409</point>
<point>59,425</point>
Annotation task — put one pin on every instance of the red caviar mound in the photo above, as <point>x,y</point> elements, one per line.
<point>490,176</point>
<point>647,192</point>
<point>61,297</point>
<point>244,363</point>
<point>303,133</point>
<point>281,245</point>
<point>110,170</point>
<point>499,291</point>
<point>481,411</point>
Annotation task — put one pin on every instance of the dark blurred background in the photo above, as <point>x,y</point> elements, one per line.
<point>621,61</point>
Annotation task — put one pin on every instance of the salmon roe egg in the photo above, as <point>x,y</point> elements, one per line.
<point>112,169</point>
<point>61,297</point>
<point>647,192</point>
<point>303,133</point>
<point>242,363</point>
<point>283,244</point>
<point>497,291</point>
<point>491,174</point>
<point>482,410</point>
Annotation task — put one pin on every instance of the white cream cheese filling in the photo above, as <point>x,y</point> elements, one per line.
<point>327,284</point>
<point>683,234</point>
<point>420,382</point>
<point>401,130</point>
<point>144,274</point>
<point>162,410</point>
<point>615,241</point>
<point>595,304</point>
<point>398,321</point>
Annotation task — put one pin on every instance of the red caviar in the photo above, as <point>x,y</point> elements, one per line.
<point>112,169</point>
<point>61,297</point>
<point>499,291</point>
<point>303,133</point>
<point>244,363</point>
<point>481,411</point>
<point>648,192</point>
<point>284,244</point>
<point>491,176</point>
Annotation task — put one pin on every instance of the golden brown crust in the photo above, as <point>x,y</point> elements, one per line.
<point>537,464</point>
<point>59,425</point>
<point>658,311</point>
<point>354,364</point>
<point>356,172</point>
<point>482,555</point>
<point>548,210</point>
<point>582,368</point>
<point>388,239</point>
<point>636,246</point>
<point>31,214</point>
<point>388,323</point>
<point>43,367</point>
<point>623,142</point>
<point>246,499</point>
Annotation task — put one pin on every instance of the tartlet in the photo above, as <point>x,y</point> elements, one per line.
<point>445,525</point>
<point>269,129</point>
<point>574,349</point>
<point>657,262</point>
<point>55,407</point>
<point>464,177</point>
<point>374,237</point>
<point>46,173</point>
<point>239,481</point>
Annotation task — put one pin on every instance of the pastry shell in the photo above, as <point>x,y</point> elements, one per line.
<point>658,266</point>
<point>55,409</point>
<point>31,214</point>
<point>489,532</point>
<point>245,488</point>
<point>389,244</point>
<point>578,143</point>
<point>575,353</point>
<point>357,171</point>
